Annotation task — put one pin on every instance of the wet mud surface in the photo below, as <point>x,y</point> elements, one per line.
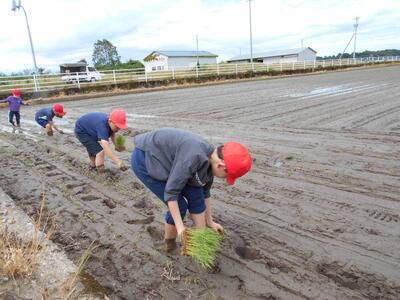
<point>317,218</point>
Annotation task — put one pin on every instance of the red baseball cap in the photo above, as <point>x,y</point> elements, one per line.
<point>16,93</point>
<point>237,159</point>
<point>118,117</point>
<point>59,109</point>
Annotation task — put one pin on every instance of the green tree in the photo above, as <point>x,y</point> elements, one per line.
<point>105,55</point>
<point>131,64</point>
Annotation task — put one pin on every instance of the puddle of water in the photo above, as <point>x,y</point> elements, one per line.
<point>334,90</point>
<point>17,130</point>
<point>277,163</point>
<point>137,116</point>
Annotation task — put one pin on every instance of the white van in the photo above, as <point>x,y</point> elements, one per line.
<point>78,72</point>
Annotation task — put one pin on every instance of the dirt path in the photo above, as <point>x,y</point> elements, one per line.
<point>318,217</point>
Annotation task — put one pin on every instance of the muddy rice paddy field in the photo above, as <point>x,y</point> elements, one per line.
<point>317,218</point>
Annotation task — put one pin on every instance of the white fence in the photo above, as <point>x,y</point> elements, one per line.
<point>48,82</point>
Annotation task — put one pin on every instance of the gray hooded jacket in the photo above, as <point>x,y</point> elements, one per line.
<point>178,157</point>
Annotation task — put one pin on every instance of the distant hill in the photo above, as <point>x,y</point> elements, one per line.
<point>387,52</point>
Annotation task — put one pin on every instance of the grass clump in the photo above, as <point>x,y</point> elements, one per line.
<point>202,245</point>
<point>120,142</point>
<point>70,284</point>
<point>19,257</point>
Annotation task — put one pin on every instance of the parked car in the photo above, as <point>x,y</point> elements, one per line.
<point>78,72</point>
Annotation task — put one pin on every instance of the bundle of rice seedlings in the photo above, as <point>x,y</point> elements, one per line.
<point>120,143</point>
<point>202,245</point>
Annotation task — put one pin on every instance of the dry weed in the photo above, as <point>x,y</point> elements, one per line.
<point>70,284</point>
<point>19,257</point>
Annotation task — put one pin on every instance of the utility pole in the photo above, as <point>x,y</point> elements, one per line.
<point>251,34</point>
<point>301,43</point>
<point>19,6</point>
<point>197,50</point>
<point>355,37</point>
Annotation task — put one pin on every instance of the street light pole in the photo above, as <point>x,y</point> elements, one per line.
<point>14,8</point>
<point>251,34</point>
<point>355,37</point>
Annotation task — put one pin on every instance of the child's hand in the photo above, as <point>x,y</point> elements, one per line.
<point>217,227</point>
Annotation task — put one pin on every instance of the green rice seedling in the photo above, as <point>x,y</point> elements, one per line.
<point>202,245</point>
<point>120,143</point>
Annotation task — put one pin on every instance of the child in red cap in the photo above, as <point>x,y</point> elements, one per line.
<point>94,130</point>
<point>178,167</point>
<point>14,103</point>
<point>44,117</point>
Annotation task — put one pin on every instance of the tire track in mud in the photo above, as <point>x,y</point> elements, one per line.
<point>294,229</point>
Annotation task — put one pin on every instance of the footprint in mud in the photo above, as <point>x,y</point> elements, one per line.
<point>155,233</point>
<point>53,174</point>
<point>147,220</point>
<point>110,203</point>
<point>84,190</point>
<point>138,186</point>
<point>47,167</point>
<point>89,198</point>
<point>247,253</point>
<point>71,186</point>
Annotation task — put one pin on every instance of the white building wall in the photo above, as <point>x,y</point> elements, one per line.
<point>180,62</point>
<point>167,63</point>
<point>281,59</point>
<point>307,54</point>
<point>160,64</point>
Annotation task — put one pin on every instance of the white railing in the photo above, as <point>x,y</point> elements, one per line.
<point>50,82</point>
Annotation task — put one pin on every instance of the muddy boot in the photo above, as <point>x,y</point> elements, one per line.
<point>169,245</point>
<point>100,169</point>
<point>50,132</point>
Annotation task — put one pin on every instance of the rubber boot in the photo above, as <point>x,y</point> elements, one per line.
<point>169,245</point>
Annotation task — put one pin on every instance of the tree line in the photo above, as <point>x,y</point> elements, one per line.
<point>367,53</point>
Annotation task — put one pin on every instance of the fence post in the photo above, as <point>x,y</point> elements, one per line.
<point>173,73</point>
<point>267,68</point>
<point>34,81</point>
<point>340,62</point>
<point>145,75</point>
<point>217,69</point>
<point>77,80</point>
<point>281,66</point>
<point>304,64</point>
<point>252,66</point>
<point>323,64</point>
<point>115,79</point>
<point>197,71</point>
<point>236,69</point>
<point>292,66</point>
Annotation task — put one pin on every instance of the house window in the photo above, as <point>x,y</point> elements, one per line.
<point>153,68</point>
<point>160,68</point>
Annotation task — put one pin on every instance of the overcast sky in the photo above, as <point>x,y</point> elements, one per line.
<point>65,30</point>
